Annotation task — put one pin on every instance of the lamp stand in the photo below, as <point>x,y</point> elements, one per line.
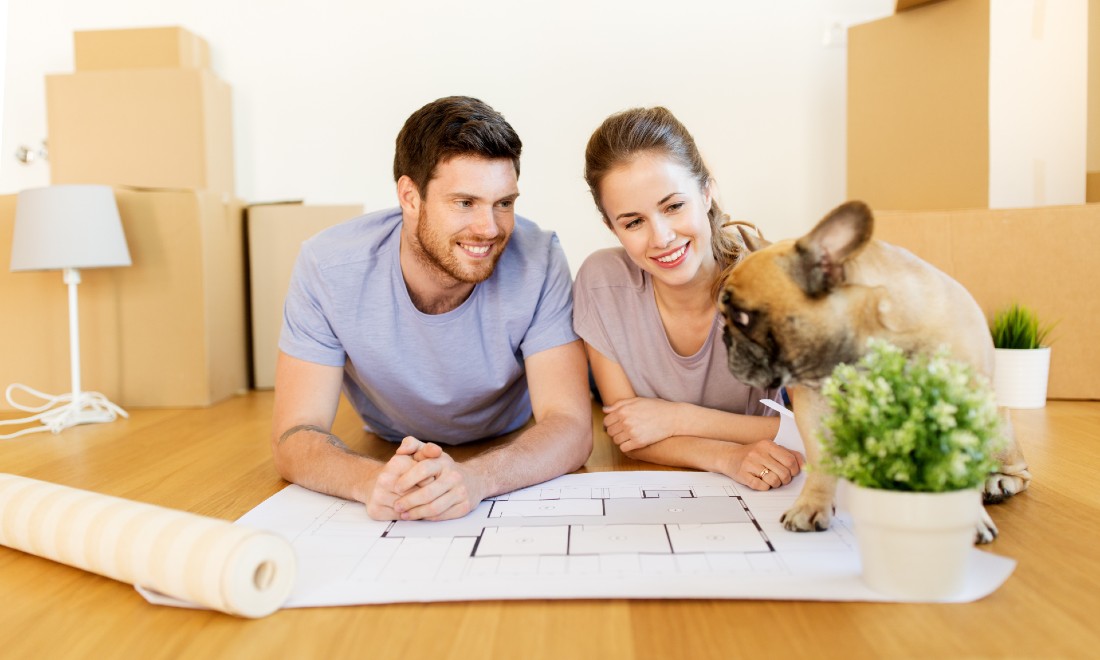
<point>79,407</point>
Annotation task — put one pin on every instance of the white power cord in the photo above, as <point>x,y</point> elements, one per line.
<point>86,408</point>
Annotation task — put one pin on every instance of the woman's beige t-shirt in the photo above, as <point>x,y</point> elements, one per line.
<point>615,312</point>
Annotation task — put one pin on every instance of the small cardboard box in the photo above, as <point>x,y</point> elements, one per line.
<point>139,48</point>
<point>275,232</point>
<point>34,337</point>
<point>181,304</point>
<point>969,104</point>
<point>148,128</point>
<point>1040,257</point>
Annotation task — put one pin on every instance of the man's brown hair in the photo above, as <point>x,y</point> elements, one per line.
<point>450,127</point>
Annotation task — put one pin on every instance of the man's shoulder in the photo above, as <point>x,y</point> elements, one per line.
<point>531,248</point>
<point>355,240</point>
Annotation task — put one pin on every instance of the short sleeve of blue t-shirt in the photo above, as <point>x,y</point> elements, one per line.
<point>450,377</point>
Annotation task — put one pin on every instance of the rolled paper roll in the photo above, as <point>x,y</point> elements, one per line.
<point>203,560</point>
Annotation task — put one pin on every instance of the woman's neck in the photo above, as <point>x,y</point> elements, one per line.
<point>693,297</point>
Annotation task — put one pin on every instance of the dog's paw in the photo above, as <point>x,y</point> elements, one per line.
<point>806,518</point>
<point>987,530</point>
<point>1000,486</point>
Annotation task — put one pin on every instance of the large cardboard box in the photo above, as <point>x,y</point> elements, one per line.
<point>275,232</point>
<point>168,331</point>
<point>1041,257</point>
<point>34,334</point>
<point>182,302</point>
<point>150,128</point>
<point>969,104</point>
<point>139,48</point>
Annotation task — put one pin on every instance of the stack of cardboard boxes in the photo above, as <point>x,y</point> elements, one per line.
<point>275,232</point>
<point>143,112</point>
<point>971,131</point>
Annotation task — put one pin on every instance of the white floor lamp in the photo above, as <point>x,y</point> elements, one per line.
<point>66,228</point>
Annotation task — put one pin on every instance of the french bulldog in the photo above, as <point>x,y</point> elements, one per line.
<point>797,308</point>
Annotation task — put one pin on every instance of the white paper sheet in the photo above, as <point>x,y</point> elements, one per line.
<point>596,535</point>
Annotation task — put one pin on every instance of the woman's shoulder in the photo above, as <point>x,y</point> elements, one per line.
<point>610,268</point>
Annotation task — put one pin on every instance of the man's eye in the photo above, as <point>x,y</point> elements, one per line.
<point>507,204</point>
<point>465,203</point>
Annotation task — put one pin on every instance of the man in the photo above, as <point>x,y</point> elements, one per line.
<point>446,320</point>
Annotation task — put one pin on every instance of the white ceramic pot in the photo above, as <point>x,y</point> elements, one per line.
<point>1020,377</point>
<point>914,545</point>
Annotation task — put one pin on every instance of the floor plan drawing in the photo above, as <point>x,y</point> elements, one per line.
<point>664,534</point>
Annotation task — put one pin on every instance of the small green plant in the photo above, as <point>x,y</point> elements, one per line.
<point>921,423</point>
<point>1017,326</point>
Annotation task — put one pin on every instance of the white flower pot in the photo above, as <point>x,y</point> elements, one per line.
<point>1020,377</point>
<point>914,545</point>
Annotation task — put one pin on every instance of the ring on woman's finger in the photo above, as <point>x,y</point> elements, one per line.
<point>763,472</point>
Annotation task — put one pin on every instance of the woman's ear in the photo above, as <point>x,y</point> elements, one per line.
<point>709,192</point>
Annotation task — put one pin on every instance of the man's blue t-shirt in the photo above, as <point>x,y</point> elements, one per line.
<point>447,378</point>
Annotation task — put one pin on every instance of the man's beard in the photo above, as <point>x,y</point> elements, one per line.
<point>436,252</point>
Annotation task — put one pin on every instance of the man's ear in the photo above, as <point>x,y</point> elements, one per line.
<point>822,253</point>
<point>408,196</point>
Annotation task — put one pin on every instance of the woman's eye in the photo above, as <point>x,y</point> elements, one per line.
<point>672,208</point>
<point>633,224</point>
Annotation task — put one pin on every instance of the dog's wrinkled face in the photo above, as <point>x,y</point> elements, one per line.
<point>787,320</point>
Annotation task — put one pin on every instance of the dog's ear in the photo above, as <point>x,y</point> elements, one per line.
<point>821,254</point>
<point>750,235</point>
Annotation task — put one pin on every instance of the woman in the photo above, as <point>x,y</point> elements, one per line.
<point>647,314</point>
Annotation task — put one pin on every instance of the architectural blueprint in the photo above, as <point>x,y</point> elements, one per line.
<point>668,534</point>
<point>595,535</point>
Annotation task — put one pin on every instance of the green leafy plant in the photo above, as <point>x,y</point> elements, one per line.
<point>921,423</point>
<point>1017,326</point>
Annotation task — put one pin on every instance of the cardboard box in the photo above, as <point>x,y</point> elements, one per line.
<point>34,337</point>
<point>1092,187</point>
<point>149,128</point>
<point>969,104</point>
<point>275,233</point>
<point>182,302</point>
<point>1040,257</point>
<point>139,48</point>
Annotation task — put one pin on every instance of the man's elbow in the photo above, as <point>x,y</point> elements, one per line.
<point>581,432</point>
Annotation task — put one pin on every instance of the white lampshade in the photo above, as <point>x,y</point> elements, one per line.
<point>67,227</point>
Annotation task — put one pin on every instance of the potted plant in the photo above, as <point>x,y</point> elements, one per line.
<point>914,438</point>
<point>1022,364</point>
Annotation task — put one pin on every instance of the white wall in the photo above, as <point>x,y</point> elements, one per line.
<point>322,87</point>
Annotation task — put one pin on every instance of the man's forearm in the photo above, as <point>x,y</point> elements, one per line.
<point>314,458</point>
<point>557,445</point>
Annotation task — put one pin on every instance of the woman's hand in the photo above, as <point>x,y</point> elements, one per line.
<point>639,422</point>
<point>763,465</point>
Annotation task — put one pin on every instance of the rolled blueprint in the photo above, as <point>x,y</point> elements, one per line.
<point>203,560</point>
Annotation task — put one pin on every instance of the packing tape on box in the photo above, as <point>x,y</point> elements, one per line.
<point>203,560</point>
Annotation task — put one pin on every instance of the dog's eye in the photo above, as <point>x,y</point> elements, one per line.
<point>739,317</point>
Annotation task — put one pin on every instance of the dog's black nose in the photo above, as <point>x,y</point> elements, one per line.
<point>724,298</point>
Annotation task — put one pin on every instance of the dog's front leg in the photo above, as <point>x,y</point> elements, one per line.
<point>813,510</point>
<point>1012,475</point>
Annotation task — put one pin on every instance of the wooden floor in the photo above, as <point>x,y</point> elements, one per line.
<point>216,462</point>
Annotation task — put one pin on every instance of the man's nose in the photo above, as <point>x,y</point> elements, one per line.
<point>485,225</point>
